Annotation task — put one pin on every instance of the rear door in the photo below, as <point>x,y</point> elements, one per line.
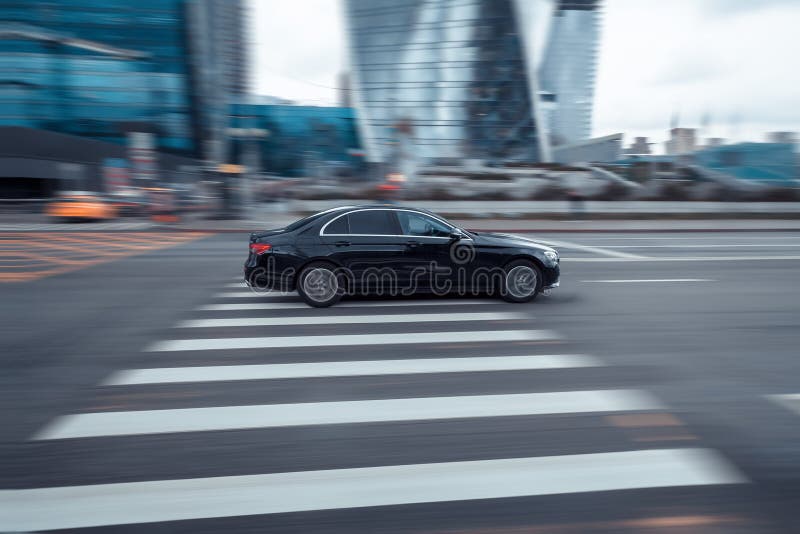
<point>369,244</point>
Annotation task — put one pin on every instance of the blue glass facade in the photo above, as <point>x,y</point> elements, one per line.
<point>99,68</point>
<point>301,136</point>
<point>766,162</point>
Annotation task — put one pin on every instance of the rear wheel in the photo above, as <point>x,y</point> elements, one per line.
<point>522,281</point>
<point>320,285</point>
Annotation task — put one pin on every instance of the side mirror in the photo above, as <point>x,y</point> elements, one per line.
<point>456,234</point>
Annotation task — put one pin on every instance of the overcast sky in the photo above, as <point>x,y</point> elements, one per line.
<point>734,60</point>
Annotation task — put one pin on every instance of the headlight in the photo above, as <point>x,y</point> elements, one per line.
<point>552,257</point>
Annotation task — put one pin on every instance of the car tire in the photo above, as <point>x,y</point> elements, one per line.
<point>522,281</point>
<point>320,284</point>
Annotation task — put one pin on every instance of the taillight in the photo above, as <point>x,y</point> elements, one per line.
<point>259,248</point>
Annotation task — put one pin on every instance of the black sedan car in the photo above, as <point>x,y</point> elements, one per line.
<point>393,250</point>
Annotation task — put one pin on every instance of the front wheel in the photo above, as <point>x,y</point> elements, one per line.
<point>320,285</point>
<point>522,281</point>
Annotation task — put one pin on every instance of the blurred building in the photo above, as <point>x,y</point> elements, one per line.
<point>783,137</point>
<point>765,162</point>
<point>568,69</point>
<point>309,141</point>
<point>344,89</point>
<point>712,142</point>
<point>104,68</point>
<point>681,141</point>
<point>449,75</point>
<point>599,150</point>
<point>449,81</point>
<point>640,145</point>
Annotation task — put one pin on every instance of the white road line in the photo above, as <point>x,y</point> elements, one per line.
<point>789,401</point>
<point>351,339</point>
<point>586,248</point>
<point>716,245</point>
<point>348,304</point>
<point>344,412</point>
<point>353,368</point>
<point>649,281</point>
<point>683,258</point>
<point>352,319</point>
<point>231,496</point>
<point>247,293</point>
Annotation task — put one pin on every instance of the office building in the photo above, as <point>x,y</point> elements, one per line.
<point>449,81</point>
<point>568,69</point>
<point>681,141</point>
<point>302,141</point>
<point>105,68</point>
<point>446,81</point>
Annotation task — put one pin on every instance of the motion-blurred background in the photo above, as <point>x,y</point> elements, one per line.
<point>214,106</point>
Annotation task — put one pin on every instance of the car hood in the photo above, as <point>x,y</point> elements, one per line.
<point>508,240</point>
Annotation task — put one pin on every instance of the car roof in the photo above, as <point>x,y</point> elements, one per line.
<point>390,207</point>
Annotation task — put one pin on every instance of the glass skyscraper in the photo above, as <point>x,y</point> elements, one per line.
<point>453,80</point>
<point>568,70</point>
<point>101,68</point>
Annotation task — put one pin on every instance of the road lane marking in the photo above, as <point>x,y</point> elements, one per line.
<point>682,258</point>
<point>78,251</point>
<point>247,293</point>
<point>351,339</point>
<point>352,368</point>
<point>586,248</point>
<point>352,319</point>
<point>790,401</point>
<point>652,280</point>
<point>344,412</point>
<point>717,245</point>
<point>231,496</point>
<point>298,304</point>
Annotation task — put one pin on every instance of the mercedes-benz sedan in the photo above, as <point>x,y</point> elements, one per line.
<point>392,250</point>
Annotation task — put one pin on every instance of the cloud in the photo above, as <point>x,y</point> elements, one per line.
<point>298,48</point>
<point>659,58</point>
<point>732,59</point>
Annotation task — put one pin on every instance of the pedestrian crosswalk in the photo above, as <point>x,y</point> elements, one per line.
<point>244,411</point>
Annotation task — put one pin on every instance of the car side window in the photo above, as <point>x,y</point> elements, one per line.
<point>417,224</point>
<point>338,226</point>
<point>372,222</point>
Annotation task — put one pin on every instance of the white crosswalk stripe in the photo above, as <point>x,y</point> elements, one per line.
<point>355,368</point>
<point>352,319</point>
<point>172,500</point>
<point>328,413</point>
<point>278,342</point>
<point>299,305</point>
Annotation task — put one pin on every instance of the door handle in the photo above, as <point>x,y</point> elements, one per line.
<point>412,244</point>
<point>342,243</point>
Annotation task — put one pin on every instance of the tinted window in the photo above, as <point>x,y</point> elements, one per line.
<point>306,220</point>
<point>422,225</point>
<point>372,222</point>
<point>338,226</point>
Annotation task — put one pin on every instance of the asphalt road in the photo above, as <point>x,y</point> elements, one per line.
<point>648,393</point>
